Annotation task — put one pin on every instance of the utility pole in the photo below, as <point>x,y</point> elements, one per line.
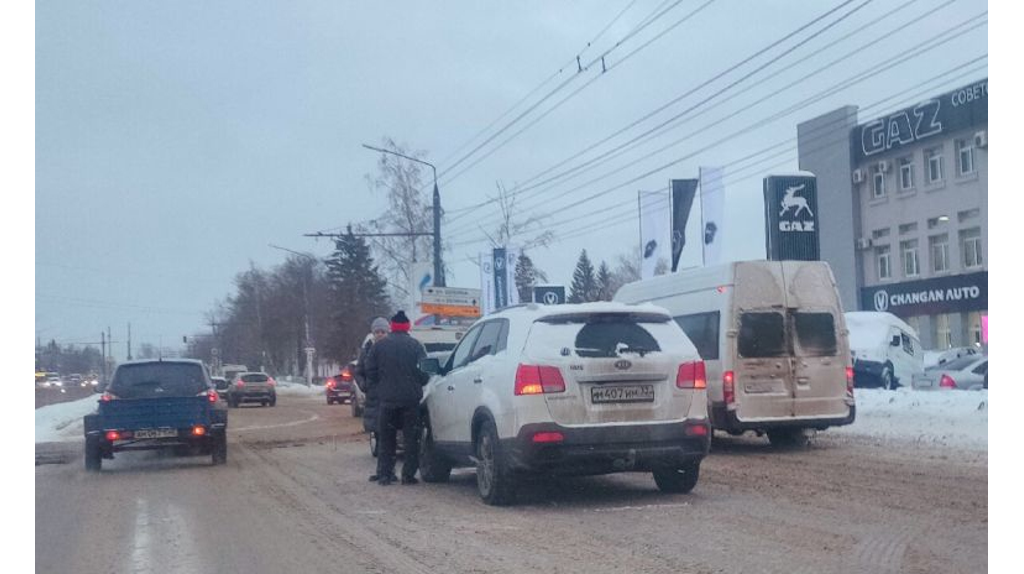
<point>103,352</point>
<point>438,264</point>
<point>129,341</point>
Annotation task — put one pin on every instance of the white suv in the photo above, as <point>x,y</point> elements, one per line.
<point>569,389</point>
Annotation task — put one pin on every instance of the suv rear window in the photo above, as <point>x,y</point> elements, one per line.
<point>602,335</point>
<point>762,335</point>
<point>816,334</point>
<point>152,380</point>
<point>254,378</point>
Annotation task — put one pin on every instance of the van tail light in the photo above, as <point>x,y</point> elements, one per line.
<point>537,380</point>
<point>947,382</point>
<point>692,375</point>
<point>849,380</point>
<point>729,387</point>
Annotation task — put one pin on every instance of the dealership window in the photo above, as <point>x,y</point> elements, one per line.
<point>880,233</point>
<point>906,173</point>
<point>908,228</point>
<point>944,339</point>
<point>967,215</point>
<point>965,156</point>
<point>934,160</point>
<point>878,186</point>
<point>884,263</point>
<point>935,222</point>
<point>915,323</point>
<point>908,254</point>
<point>974,324</point>
<point>938,247</point>
<point>970,246</point>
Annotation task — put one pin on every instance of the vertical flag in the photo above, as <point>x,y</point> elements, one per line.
<point>654,231</point>
<point>712,206</point>
<point>499,265</point>
<point>486,283</point>
<point>683,191</point>
<point>511,259</point>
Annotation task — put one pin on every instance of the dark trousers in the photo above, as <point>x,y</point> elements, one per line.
<point>390,419</point>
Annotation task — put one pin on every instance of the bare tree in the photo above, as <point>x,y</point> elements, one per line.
<point>524,232</point>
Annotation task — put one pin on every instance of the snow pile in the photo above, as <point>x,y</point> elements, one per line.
<point>285,388</point>
<point>63,421</point>
<point>939,418</point>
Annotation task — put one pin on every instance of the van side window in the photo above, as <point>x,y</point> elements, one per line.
<point>762,335</point>
<point>908,344</point>
<point>702,329</point>
<point>816,334</point>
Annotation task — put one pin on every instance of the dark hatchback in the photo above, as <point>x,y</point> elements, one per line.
<point>340,388</point>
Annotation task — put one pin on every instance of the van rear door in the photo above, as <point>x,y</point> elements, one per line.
<point>764,370</point>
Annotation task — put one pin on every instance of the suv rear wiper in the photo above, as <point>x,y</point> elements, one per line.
<point>638,350</point>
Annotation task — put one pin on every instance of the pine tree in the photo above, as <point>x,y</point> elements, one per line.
<point>527,276</point>
<point>358,294</point>
<point>584,285</point>
<point>604,283</point>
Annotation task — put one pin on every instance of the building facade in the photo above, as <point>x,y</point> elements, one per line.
<point>904,211</point>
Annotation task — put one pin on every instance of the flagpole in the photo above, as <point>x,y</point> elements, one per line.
<point>700,187</point>
<point>640,220</point>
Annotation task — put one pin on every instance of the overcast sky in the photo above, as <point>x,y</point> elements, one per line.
<point>175,140</point>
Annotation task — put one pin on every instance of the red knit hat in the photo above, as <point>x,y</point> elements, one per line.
<point>400,323</point>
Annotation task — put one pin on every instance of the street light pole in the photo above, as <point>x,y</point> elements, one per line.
<point>438,264</point>
<point>308,347</point>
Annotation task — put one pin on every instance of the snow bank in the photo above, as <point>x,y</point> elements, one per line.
<point>298,390</point>
<point>63,421</point>
<point>940,418</point>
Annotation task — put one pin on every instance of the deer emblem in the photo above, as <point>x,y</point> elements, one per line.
<point>790,200</point>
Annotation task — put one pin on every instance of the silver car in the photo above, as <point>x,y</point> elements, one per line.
<point>967,373</point>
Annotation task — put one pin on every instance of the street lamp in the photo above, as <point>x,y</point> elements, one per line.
<point>308,348</point>
<point>438,266</point>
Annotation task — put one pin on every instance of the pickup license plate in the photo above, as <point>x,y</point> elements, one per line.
<point>156,433</point>
<point>630,394</point>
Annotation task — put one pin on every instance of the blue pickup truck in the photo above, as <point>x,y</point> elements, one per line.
<point>157,404</point>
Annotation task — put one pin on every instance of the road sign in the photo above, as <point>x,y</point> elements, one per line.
<point>549,294</point>
<point>452,296</point>
<point>450,310</point>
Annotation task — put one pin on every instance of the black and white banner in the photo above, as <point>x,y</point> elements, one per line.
<point>712,207</point>
<point>683,191</point>
<point>497,279</point>
<point>952,294</point>
<point>654,231</point>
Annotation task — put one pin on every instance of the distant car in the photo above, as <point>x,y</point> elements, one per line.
<point>221,385</point>
<point>965,373</point>
<point>53,380</point>
<point>886,351</point>
<point>252,387</point>
<point>341,387</point>
<point>941,357</point>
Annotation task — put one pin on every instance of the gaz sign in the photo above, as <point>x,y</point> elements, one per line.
<point>791,217</point>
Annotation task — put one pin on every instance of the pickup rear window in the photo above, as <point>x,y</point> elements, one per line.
<point>154,380</point>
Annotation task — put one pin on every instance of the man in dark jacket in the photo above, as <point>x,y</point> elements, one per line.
<point>393,370</point>
<point>371,410</point>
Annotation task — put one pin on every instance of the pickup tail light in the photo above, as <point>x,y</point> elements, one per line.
<point>729,387</point>
<point>947,382</point>
<point>113,435</point>
<point>692,375</point>
<point>212,395</point>
<point>240,383</point>
<point>198,430</point>
<point>537,380</point>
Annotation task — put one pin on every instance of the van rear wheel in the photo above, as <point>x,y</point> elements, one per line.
<point>677,480</point>
<point>888,381</point>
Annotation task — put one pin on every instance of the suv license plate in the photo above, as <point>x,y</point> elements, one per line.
<point>630,394</point>
<point>156,433</point>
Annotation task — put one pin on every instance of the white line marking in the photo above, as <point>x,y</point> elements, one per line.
<point>279,425</point>
<point>140,558</point>
<point>645,507</point>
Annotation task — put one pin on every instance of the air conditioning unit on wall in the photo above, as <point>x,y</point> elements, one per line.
<point>863,243</point>
<point>858,176</point>
<point>981,139</point>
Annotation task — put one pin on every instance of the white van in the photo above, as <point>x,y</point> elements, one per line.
<point>886,351</point>
<point>773,337</point>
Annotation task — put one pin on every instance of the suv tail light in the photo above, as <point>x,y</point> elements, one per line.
<point>330,383</point>
<point>692,376</point>
<point>548,437</point>
<point>947,382</point>
<point>346,375</point>
<point>271,381</point>
<point>536,380</point>
<point>729,387</point>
